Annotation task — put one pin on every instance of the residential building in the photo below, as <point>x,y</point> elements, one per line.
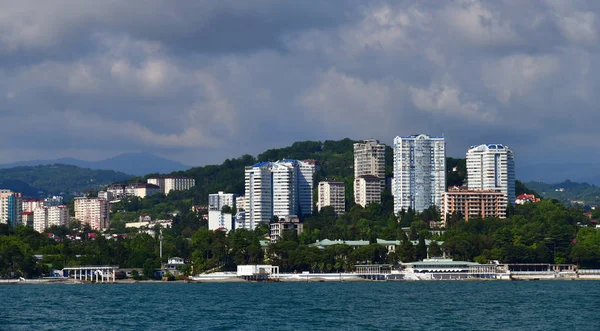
<point>369,160</point>
<point>168,184</point>
<point>367,190</point>
<point>46,217</point>
<point>218,220</point>
<point>141,190</point>
<point>116,191</point>
<point>281,189</point>
<point>241,203</point>
<point>470,203</point>
<point>55,200</point>
<point>105,195</point>
<point>419,172</point>
<point>11,208</point>
<point>527,198</point>
<point>217,201</point>
<point>94,212</point>
<point>491,167</point>
<point>290,224</point>
<point>27,218</point>
<point>332,193</point>
<point>30,205</point>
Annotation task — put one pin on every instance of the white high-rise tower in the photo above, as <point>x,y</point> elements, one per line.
<point>419,172</point>
<point>491,167</point>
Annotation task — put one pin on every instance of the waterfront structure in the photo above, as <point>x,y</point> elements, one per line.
<point>419,172</point>
<point>332,193</point>
<point>289,224</point>
<point>94,212</point>
<point>168,184</point>
<point>470,204</point>
<point>11,208</point>
<point>369,160</point>
<point>46,217</point>
<point>281,189</point>
<point>491,167</point>
<point>216,201</point>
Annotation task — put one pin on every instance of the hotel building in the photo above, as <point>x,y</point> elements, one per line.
<point>419,172</point>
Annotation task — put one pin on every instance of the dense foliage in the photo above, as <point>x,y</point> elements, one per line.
<point>56,179</point>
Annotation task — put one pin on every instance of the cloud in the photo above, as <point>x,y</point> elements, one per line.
<point>199,81</point>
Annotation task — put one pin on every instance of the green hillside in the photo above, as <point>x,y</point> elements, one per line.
<point>568,192</point>
<point>57,179</point>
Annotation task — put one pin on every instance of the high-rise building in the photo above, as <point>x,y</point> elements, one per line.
<point>368,190</point>
<point>332,193</point>
<point>419,172</point>
<point>46,217</point>
<point>470,204</point>
<point>11,208</point>
<point>92,211</point>
<point>30,205</point>
<point>369,160</point>
<point>281,189</point>
<point>216,201</point>
<point>491,167</point>
<point>168,184</point>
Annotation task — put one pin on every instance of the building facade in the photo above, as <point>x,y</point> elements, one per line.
<point>491,167</point>
<point>168,184</point>
<point>368,190</point>
<point>220,221</point>
<point>279,189</point>
<point>216,201</point>
<point>92,211</point>
<point>11,208</point>
<point>419,172</point>
<point>30,205</point>
<point>332,193</point>
<point>46,217</point>
<point>289,224</point>
<point>473,204</point>
<point>369,160</point>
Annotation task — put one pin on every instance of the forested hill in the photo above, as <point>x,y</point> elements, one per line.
<point>56,179</point>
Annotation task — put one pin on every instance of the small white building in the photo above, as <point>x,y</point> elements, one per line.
<point>220,221</point>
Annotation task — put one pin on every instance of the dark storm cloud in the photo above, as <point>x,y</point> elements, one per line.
<point>203,80</point>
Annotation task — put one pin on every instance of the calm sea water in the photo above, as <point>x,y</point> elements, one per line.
<point>525,305</point>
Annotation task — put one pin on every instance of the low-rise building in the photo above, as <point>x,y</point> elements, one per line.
<point>526,198</point>
<point>287,224</point>
<point>470,203</point>
<point>352,243</point>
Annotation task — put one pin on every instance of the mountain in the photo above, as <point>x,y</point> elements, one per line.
<point>56,179</point>
<point>559,172</point>
<point>138,164</point>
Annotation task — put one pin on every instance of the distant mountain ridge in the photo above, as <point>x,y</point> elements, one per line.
<point>138,164</point>
<point>559,172</point>
<point>55,179</point>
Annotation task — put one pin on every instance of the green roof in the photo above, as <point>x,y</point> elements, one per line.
<point>327,242</point>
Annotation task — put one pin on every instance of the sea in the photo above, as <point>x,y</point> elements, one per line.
<point>428,305</point>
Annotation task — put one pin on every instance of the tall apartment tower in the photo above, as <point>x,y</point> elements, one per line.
<point>281,189</point>
<point>369,162</point>
<point>332,193</point>
<point>491,167</point>
<point>11,208</point>
<point>216,201</point>
<point>419,172</point>
<point>92,211</point>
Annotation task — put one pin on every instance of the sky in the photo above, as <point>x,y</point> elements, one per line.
<point>200,81</point>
